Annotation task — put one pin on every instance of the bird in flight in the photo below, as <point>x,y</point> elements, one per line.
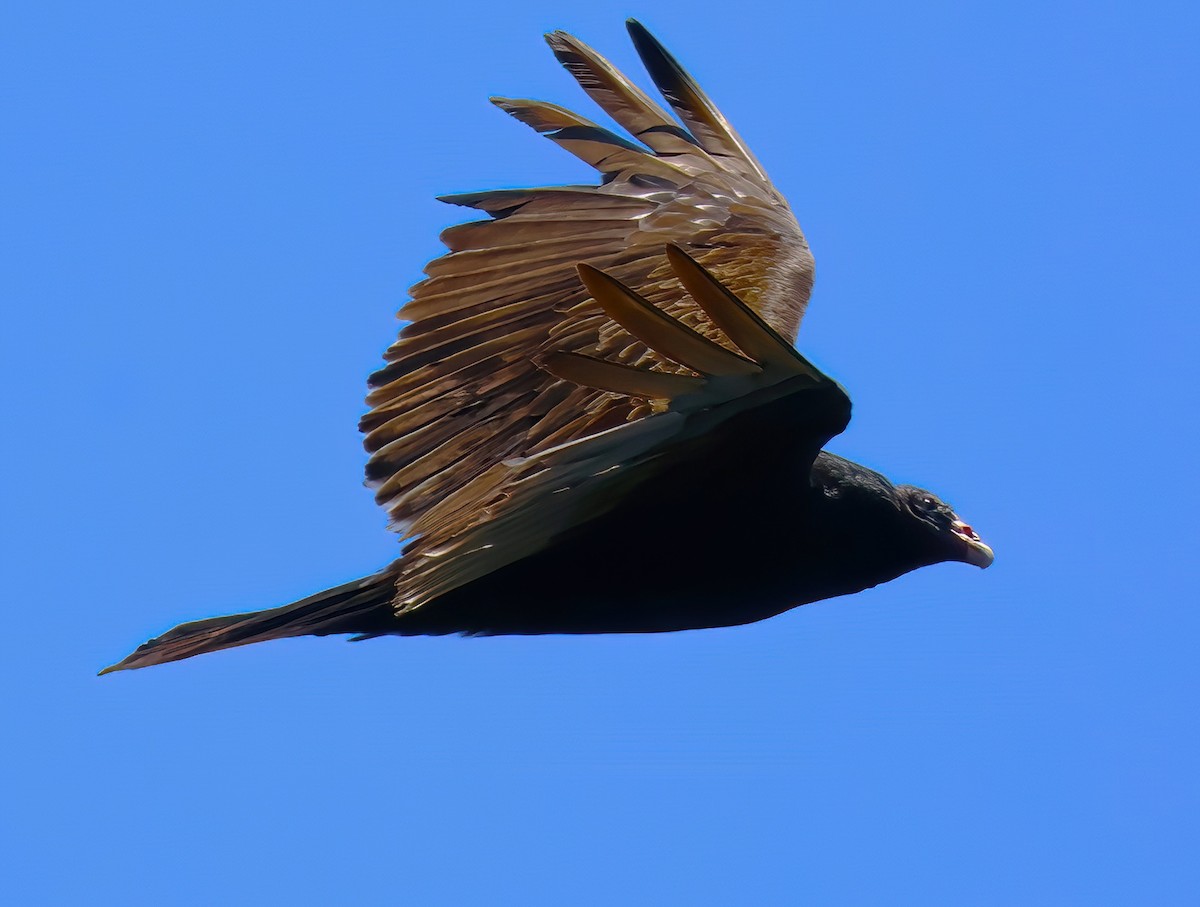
<point>595,421</point>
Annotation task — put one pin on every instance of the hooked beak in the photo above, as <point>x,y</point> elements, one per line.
<point>978,553</point>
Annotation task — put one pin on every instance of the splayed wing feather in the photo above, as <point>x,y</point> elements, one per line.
<point>665,335</point>
<point>698,113</point>
<point>615,378</point>
<point>627,104</point>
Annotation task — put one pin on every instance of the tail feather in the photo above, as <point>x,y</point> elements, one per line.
<point>351,608</point>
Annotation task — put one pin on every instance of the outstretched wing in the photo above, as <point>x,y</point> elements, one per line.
<point>461,393</point>
<point>520,506</point>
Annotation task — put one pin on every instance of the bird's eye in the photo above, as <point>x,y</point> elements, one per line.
<point>927,506</point>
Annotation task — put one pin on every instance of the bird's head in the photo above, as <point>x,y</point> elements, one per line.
<point>953,535</point>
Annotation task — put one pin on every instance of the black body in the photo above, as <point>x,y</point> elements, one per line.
<point>732,528</point>
<point>788,541</point>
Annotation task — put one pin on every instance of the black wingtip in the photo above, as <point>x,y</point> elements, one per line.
<point>647,46</point>
<point>664,69</point>
<point>641,36</point>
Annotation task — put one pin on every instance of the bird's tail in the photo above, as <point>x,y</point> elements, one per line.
<point>355,607</point>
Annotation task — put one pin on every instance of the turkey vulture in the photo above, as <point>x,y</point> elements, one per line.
<point>595,421</point>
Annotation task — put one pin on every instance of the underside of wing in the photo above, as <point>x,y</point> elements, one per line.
<point>462,397</point>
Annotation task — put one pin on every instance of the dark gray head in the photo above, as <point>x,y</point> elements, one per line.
<point>900,527</point>
<point>952,534</point>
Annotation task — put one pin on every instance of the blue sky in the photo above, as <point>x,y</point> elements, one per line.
<point>211,214</point>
